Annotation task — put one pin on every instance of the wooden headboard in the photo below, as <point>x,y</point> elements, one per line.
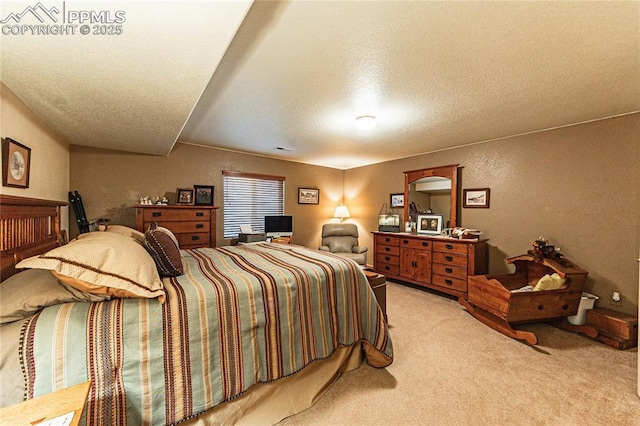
<point>28,226</point>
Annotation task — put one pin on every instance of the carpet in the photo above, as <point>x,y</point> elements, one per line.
<point>450,369</point>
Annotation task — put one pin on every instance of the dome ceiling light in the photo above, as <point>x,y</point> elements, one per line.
<point>366,122</point>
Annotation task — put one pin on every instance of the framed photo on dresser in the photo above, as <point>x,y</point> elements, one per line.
<point>203,195</point>
<point>430,224</point>
<point>184,196</point>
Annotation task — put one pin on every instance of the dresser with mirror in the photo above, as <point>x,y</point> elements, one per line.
<point>430,260</point>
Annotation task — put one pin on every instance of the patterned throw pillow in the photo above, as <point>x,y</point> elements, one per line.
<point>163,247</point>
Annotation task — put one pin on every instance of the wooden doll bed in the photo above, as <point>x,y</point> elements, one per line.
<point>491,298</point>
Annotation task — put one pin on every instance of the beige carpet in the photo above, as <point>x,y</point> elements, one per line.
<point>450,369</point>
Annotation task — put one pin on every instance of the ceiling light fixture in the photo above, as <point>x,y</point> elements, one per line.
<point>365,122</point>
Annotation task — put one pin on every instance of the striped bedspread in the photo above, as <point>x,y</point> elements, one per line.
<point>239,316</point>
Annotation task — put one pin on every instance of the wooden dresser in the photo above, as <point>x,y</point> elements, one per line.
<point>193,226</point>
<point>443,264</point>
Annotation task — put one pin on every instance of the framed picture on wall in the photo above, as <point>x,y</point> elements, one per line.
<point>396,200</point>
<point>203,195</point>
<point>16,162</point>
<point>308,196</point>
<point>184,196</point>
<point>476,198</point>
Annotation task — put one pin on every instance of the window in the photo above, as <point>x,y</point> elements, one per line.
<point>248,198</point>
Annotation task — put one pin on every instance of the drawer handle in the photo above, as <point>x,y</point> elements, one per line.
<point>199,226</point>
<point>387,249</point>
<point>199,214</point>
<point>195,238</point>
<point>156,214</point>
<point>540,307</point>
<point>425,244</point>
<point>388,240</point>
<point>405,241</point>
<point>449,246</point>
<point>386,267</point>
<point>448,270</point>
<point>565,307</point>
<point>448,258</point>
<point>387,258</point>
<point>448,282</point>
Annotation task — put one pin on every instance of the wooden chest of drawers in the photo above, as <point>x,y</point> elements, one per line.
<point>193,226</point>
<point>437,263</point>
<point>387,254</point>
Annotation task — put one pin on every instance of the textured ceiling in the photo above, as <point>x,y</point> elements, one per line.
<point>131,91</point>
<point>296,74</point>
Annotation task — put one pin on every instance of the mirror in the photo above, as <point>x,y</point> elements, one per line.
<point>436,189</point>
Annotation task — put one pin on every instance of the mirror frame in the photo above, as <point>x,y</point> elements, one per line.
<point>449,172</point>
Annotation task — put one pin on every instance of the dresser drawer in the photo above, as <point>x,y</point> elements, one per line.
<point>385,268</point>
<point>388,250</point>
<point>181,227</point>
<point>450,247</point>
<point>450,271</point>
<point>196,239</point>
<point>415,243</point>
<point>193,226</point>
<point>389,240</point>
<point>387,259</point>
<point>449,282</point>
<point>455,259</point>
<point>164,214</point>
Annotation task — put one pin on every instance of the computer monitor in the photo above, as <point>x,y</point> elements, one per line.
<point>278,226</point>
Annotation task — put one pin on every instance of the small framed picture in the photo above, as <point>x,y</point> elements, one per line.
<point>308,196</point>
<point>476,198</point>
<point>430,224</point>
<point>396,200</point>
<point>184,196</point>
<point>16,161</point>
<point>204,195</point>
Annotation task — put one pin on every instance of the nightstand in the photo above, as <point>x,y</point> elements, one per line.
<point>378,283</point>
<point>48,407</point>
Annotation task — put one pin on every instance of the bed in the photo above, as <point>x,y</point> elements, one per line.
<point>246,334</point>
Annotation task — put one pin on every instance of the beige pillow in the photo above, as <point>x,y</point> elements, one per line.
<point>104,263</point>
<point>27,292</point>
<point>125,230</point>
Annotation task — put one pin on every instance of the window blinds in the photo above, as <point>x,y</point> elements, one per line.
<point>248,198</point>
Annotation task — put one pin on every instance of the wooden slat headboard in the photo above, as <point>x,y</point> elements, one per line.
<point>28,226</point>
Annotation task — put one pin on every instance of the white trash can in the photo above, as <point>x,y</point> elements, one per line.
<point>586,302</point>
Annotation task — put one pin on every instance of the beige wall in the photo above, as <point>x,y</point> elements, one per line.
<point>49,171</point>
<point>111,182</point>
<point>576,186</point>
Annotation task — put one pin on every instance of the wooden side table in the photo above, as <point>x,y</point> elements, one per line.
<point>48,407</point>
<point>378,283</point>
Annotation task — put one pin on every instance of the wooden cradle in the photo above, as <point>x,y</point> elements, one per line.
<point>492,301</point>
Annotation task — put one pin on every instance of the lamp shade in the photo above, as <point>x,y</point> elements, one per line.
<point>341,212</point>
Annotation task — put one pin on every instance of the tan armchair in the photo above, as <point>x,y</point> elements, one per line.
<point>342,239</point>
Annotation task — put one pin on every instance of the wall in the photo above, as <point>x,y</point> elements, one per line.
<point>49,171</point>
<point>576,186</point>
<point>110,182</point>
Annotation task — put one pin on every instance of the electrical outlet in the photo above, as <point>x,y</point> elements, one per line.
<point>615,299</point>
